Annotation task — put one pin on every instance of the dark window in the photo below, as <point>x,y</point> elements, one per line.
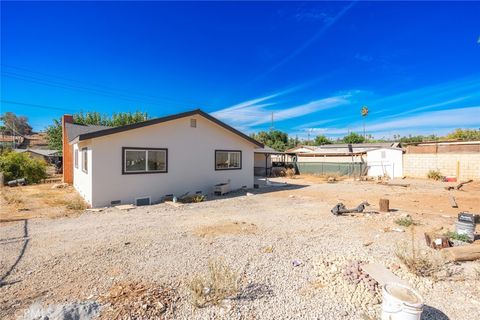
<point>228,160</point>
<point>144,160</point>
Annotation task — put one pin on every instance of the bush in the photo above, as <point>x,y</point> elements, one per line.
<point>434,175</point>
<point>457,236</point>
<point>220,283</point>
<point>17,165</point>
<point>405,221</point>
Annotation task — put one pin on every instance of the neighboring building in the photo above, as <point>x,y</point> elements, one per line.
<point>343,159</point>
<point>143,162</point>
<point>385,162</point>
<point>50,156</point>
<point>460,159</point>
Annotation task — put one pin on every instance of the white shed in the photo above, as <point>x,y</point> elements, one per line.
<point>385,161</point>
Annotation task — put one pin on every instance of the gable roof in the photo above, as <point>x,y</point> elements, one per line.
<point>104,131</point>
<point>75,130</point>
<point>43,152</point>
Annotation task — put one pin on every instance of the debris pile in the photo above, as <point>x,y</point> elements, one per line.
<point>357,295</point>
<point>354,273</point>
<point>139,301</point>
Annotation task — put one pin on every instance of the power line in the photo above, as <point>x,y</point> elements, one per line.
<point>35,105</point>
<point>92,88</point>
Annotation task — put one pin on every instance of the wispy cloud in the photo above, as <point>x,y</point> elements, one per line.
<point>423,122</point>
<point>329,21</point>
<point>259,111</point>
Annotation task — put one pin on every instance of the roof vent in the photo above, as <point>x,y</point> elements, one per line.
<point>193,123</point>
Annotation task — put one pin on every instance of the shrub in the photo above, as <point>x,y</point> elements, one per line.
<point>290,173</point>
<point>17,165</point>
<point>434,175</point>
<point>405,221</point>
<point>220,283</point>
<point>457,236</point>
<point>419,262</point>
<point>76,204</point>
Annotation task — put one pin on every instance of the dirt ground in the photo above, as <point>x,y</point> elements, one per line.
<point>39,201</point>
<point>79,257</point>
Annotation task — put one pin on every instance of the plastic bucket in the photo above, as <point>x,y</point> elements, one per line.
<point>401,302</point>
<point>466,228</point>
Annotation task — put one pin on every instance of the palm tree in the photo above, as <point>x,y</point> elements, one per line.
<point>364,113</point>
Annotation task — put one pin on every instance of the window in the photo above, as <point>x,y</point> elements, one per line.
<point>144,160</point>
<point>228,159</point>
<point>193,123</point>
<point>76,158</point>
<point>84,160</point>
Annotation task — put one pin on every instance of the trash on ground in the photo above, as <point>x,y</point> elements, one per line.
<point>340,208</point>
<point>297,263</point>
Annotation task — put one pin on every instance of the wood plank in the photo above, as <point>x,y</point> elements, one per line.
<point>453,203</point>
<point>462,253</point>
<point>382,275</point>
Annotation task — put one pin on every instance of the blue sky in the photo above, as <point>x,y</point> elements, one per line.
<point>313,65</point>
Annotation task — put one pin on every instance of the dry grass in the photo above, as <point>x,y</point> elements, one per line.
<point>139,301</point>
<point>226,228</point>
<point>405,221</point>
<point>220,283</point>
<point>434,175</point>
<point>424,263</point>
<point>39,201</point>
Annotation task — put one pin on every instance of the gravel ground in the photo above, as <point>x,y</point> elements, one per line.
<point>79,258</point>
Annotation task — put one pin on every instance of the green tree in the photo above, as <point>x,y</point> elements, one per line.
<point>275,139</point>
<point>364,113</point>
<point>464,134</point>
<point>321,140</point>
<point>54,131</point>
<point>16,165</point>
<point>353,138</point>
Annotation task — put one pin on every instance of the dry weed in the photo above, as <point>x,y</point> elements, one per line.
<point>12,198</point>
<point>290,173</point>
<point>424,263</point>
<point>220,283</point>
<point>76,204</point>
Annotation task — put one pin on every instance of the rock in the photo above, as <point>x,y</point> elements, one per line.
<point>59,185</point>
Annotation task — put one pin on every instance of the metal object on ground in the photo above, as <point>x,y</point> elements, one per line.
<point>340,208</point>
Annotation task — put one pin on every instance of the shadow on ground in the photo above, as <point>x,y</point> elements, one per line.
<point>430,313</point>
<point>25,240</point>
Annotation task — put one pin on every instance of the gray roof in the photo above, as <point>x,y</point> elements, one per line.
<point>43,152</point>
<point>74,130</point>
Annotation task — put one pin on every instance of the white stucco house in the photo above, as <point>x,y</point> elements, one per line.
<point>143,162</point>
<point>385,161</point>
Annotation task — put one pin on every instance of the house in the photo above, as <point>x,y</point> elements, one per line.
<point>49,156</point>
<point>142,163</point>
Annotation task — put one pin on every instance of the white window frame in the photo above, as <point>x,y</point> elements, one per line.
<point>146,171</point>
<point>228,152</point>
<point>75,158</point>
<point>85,160</point>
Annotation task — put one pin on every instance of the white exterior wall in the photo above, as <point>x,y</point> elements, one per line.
<point>191,162</point>
<point>391,164</point>
<point>82,181</point>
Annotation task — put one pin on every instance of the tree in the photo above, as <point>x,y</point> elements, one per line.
<point>353,138</point>
<point>15,125</point>
<point>16,165</point>
<point>464,134</point>
<point>54,131</point>
<point>275,139</point>
<point>321,140</point>
<point>364,113</point>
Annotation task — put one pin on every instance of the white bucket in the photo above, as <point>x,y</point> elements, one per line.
<point>401,302</point>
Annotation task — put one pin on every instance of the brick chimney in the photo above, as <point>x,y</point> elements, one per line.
<point>67,151</point>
